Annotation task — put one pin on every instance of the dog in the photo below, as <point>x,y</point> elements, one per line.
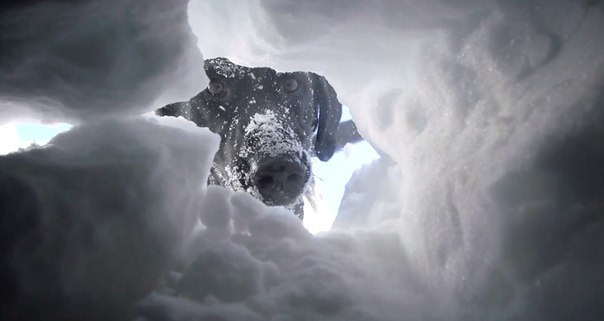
<point>270,124</point>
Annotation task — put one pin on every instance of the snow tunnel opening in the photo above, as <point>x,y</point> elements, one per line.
<point>23,134</point>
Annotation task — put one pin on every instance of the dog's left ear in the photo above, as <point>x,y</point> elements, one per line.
<point>330,111</point>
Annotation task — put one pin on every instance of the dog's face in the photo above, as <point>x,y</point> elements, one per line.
<point>267,122</point>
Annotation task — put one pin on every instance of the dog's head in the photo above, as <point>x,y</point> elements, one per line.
<point>270,124</point>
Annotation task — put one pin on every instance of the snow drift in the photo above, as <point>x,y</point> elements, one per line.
<point>90,222</point>
<point>74,60</point>
<point>486,205</point>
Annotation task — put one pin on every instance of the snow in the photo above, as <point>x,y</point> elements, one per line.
<point>68,62</point>
<point>226,69</point>
<point>265,127</point>
<point>485,205</point>
<point>95,217</point>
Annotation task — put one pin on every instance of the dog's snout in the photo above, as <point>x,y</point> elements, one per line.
<point>280,180</point>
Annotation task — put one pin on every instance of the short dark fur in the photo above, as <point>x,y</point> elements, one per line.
<point>308,117</point>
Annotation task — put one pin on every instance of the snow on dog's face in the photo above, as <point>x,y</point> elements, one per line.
<point>271,160</point>
<point>270,124</point>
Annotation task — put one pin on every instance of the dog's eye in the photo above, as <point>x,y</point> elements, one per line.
<point>290,85</point>
<point>216,88</point>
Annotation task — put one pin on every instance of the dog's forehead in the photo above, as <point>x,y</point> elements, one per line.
<point>223,68</point>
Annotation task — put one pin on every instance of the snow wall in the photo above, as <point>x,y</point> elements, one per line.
<point>487,203</point>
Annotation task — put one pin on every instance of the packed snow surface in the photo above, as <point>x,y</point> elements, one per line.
<point>487,202</point>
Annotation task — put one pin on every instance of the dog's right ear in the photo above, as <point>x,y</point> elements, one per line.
<point>174,110</point>
<point>180,109</point>
<point>185,110</point>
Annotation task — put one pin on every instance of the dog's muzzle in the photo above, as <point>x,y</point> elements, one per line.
<point>281,180</point>
<point>278,164</point>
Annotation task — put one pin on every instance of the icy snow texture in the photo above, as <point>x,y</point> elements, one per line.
<point>487,204</point>
<point>74,60</point>
<point>90,222</point>
<point>491,180</point>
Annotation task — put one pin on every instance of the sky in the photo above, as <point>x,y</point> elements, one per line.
<point>331,178</point>
<point>485,205</point>
<point>22,135</point>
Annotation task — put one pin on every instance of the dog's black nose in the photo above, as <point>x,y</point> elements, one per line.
<point>280,180</point>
